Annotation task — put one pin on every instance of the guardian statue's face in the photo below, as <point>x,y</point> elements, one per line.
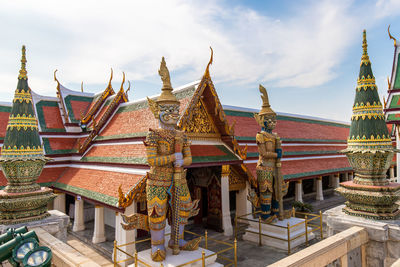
<point>269,122</point>
<point>169,114</point>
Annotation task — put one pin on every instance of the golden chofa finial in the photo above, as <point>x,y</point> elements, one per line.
<point>391,37</point>
<point>23,72</point>
<point>365,57</point>
<point>207,72</point>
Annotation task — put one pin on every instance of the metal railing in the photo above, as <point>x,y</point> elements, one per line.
<point>203,257</point>
<point>309,222</point>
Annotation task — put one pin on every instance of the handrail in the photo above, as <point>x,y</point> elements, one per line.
<point>329,250</point>
<point>202,258</point>
<point>288,227</point>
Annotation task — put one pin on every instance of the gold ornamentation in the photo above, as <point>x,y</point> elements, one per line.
<point>391,37</point>
<point>266,107</point>
<point>34,151</point>
<point>166,91</point>
<point>22,96</point>
<point>23,72</point>
<point>200,122</point>
<point>207,72</point>
<point>365,57</point>
<point>22,122</point>
<point>236,182</point>
<point>153,107</point>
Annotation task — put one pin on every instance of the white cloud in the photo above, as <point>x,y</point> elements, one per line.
<point>83,39</point>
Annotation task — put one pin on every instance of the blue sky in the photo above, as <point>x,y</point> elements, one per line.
<point>306,53</point>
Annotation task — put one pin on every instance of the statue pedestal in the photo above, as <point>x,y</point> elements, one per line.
<point>56,224</point>
<point>383,247</point>
<point>177,260</point>
<point>279,232</point>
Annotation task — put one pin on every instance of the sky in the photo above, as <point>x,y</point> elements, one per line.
<point>306,53</point>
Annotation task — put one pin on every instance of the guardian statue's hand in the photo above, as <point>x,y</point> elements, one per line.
<point>178,156</point>
<point>178,163</point>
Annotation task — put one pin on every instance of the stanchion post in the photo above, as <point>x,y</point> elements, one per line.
<point>320,224</point>
<point>206,239</point>
<point>288,237</point>
<point>235,226</point>
<point>259,231</point>
<point>306,226</point>
<point>235,252</point>
<point>135,258</point>
<point>115,253</point>
<point>203,258</point>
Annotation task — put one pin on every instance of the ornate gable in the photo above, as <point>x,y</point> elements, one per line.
<point>200,123</point>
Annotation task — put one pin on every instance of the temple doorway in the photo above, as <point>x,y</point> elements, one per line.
<point>205,184</point>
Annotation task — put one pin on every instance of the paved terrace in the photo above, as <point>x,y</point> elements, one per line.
<point>249,254</point>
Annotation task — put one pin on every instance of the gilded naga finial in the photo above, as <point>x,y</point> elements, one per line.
<point>164,74</point>
<point>23,72</point>
<point>111,76</point>
<point>82,86</point>
<point>207,72</point>
<point>365,57</point>
<point>391,37</point>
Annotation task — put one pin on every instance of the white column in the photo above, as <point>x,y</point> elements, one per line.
<point>243,206</point>
<point>59,202</point>
<point>351,176</point>
<point>123,237</point>
<point>99,232</point>
<point>299,191</point>
<point>391,173</point>
<point>226,213</point>
<point>79,222</point>
<point>336,181</point>
<point>345,176</point>
<point>398,154</point>
<point>320,193</point>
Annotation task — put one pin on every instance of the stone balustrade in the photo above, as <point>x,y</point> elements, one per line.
<point>336,247</point>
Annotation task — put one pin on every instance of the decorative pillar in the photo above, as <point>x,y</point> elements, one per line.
<point>243,206</point>
<point>398,155</point>
<point>391,173</point>
<point>320,193</point>
<point>226,213</point>
<point>59,202</point>
<point>98,233</point>
<point>331,180</point>
<point>336,180</point>
<point>351,176</point>
<point>299,191</point>
<point>125,236</point>
<point>79,220</point>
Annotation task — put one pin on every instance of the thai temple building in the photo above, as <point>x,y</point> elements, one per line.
<point>99,163</point>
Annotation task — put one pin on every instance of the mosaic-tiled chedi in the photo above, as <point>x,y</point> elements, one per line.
<point>370,152</point>
<point>22,160</point>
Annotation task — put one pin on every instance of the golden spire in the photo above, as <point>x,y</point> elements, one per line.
<point>207,73</point>
<point>166,91</point>
<point>266,107</point>
<point>391,37</point>
<point>23,72</point>
<point>365,57</point>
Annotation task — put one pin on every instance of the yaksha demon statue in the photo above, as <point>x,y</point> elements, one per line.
<point>167,193</point>
<point>267,197</point>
